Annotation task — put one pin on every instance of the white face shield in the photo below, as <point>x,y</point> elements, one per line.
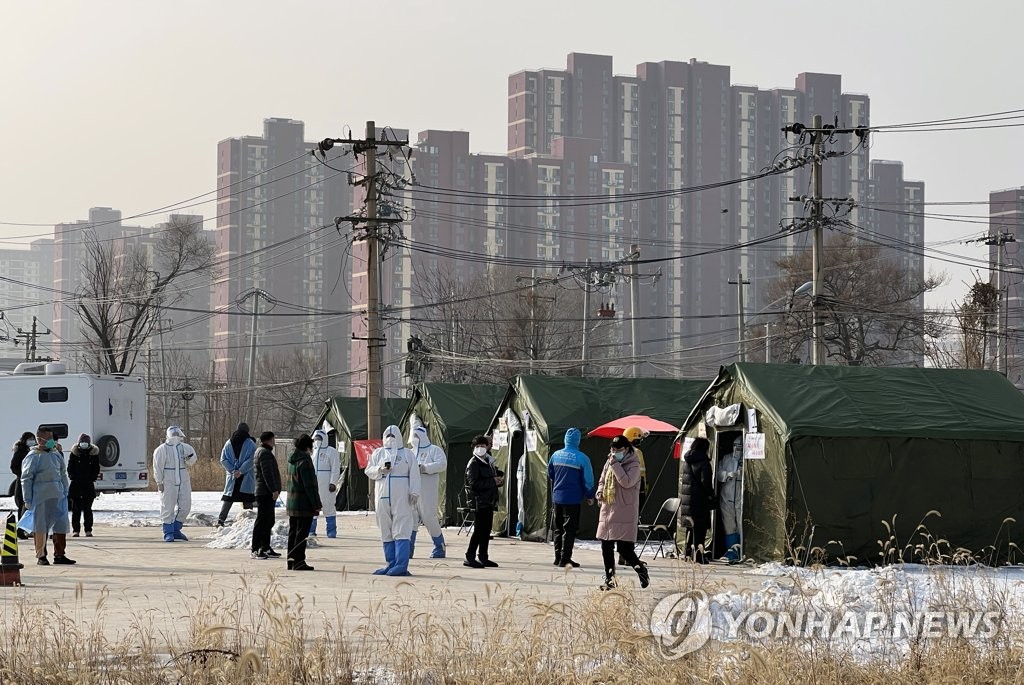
<point>175,436</point>
<point>737,447</point>
<point>392,438</point>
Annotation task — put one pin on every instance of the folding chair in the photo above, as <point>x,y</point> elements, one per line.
<point>662,529</point>
<point>468,514</point>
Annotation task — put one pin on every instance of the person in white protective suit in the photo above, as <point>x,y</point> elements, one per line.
<point>170,471</point>
<point>327,463</point>
<point>432,463</point>
<point>730,497</point>
<point>397,475</point>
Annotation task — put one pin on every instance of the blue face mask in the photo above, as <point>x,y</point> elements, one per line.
<point>51,443</point>
<point>619,456</point>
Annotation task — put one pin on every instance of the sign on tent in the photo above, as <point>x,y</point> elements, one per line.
<point>753,446</point>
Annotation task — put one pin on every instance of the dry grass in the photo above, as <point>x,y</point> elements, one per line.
<point>263,635</point>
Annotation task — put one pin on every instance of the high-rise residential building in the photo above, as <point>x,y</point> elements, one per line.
<point>276,231</point>
<point>684,125</point>
<point>1006,215</point>
<point>25,293</point>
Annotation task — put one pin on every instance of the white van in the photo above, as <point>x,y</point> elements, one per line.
<point>111,409</point>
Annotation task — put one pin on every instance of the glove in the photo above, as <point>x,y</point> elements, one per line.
<point>332,487</point>
<point>414,499</point>
<point>423,469</point>
<point>159,487</point>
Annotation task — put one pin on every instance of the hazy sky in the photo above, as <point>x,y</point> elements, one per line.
<point>121,104</point>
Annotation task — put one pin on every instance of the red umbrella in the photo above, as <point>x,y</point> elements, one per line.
<point>644,423</point>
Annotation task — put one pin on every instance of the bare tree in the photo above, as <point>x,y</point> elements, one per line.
<point>124,287</point>
<point>872,306</point>
<point>293,389</point>
<point>973,323</point>
<point>476,339</point>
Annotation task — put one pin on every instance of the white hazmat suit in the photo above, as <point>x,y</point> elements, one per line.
<point>327,463</point>
<point>397,475</point>
<point>432,463</point>
<point>170,471</point>
<point>730,497</point>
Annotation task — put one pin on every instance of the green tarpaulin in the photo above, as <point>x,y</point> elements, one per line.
<point>847,448</point>
<point>554,404</point>
<point>347,416</point>
<point>453,414</point>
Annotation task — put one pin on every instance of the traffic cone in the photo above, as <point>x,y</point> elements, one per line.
<point>10,569</point>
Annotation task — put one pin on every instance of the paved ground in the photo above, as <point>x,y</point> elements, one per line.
<point>142,577</point>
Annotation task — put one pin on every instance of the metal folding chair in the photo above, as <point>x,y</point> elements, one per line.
<point>662,529</point>
<point>468,514</point>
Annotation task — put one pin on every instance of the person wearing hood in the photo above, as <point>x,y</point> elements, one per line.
<point>618,492</point>
<point>303,501</point>
<point>19,451</point>
<point>171,461</point>
<point>328,476</point>
<point>397,476</point>
<point>45,484</point>
<point>572,482</point>
<point>482,483</point>
<point>237,458</point>
<point>696,498</point>
<point>730,497</point>
<point>432,463</point>
<point>83,470</point>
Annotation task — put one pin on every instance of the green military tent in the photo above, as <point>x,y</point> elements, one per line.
<point>846,448</point>
<point>453,414</point>
<point>549,406</point>
<point>347,416</point>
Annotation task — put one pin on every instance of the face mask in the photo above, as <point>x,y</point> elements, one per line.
<point>479,451</point>
<point>174,440</point>
<point>83,445</point>
<point>317,443</point>
<point>30,443</point>
<point>619,456</point>
<point>51,443</point>
<point>390,442</point>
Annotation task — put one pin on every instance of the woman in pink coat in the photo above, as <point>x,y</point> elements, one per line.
<point>618,492</point>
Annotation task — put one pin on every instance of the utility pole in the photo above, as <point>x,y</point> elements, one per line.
<point>739,283</point>
<point>256,294</point>
<point>586,315</point>
<point>187,396</point>
<point>817,321</point>
<point>31,338</point>
<point>373,222</point>
<point>634,303</point>
<point>1002,301</point>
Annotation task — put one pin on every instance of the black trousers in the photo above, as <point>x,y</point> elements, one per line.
<point>19,499</point>
<point>481,536</point>
<point>695,537</point>
<point>298,531</point>
<point>626,549</point>
<point>264,524</point>
<point>567,524</point>
<point>81,507</point>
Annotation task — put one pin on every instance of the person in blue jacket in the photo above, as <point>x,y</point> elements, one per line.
<point>572,483</point>
<point>238,460</point>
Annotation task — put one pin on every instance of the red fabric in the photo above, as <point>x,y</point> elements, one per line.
<point>677,450</point>
<point>645,423</point>
<point>364,448</point>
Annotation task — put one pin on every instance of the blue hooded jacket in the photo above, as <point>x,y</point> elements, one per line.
<point>570,473</point>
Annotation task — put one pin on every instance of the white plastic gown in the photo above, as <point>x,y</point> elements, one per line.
<point>170,469</point>
<point>730,489</point>
<point>327,463</point>
<point>397,488</point>
<point>432,463</point>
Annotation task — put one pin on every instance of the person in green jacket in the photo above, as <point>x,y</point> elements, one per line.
<point>303,501</point>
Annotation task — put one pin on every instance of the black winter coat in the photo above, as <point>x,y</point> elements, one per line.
<point>696,487</point>
<point>83,470</point>
<point>480,484</point>
<point>268,475</point>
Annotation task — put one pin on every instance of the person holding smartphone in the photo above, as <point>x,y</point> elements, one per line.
<point>482,483</point>
<point>397,475</point>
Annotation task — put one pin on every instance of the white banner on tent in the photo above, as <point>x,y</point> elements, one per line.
<point>753,446</point>
<point>531,440</point>
<point>341,448</point>
<point>751,420</point>
<point>501,439</point>
<point>687,444</point>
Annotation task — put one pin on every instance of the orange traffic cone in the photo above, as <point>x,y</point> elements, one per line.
<point>10,569</point>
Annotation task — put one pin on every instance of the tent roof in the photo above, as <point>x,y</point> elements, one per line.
<point>848,401</point>
<point>352,411</point>
<point>463,409</point>
<point>558,403</point>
